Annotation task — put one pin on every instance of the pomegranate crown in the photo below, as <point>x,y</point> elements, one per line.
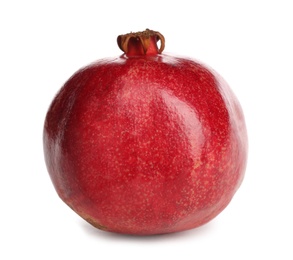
<point>141,43</point>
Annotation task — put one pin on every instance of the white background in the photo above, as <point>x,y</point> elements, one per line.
<point>44,42</point>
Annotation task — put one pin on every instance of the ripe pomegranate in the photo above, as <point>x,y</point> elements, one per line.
<point>145,143</point>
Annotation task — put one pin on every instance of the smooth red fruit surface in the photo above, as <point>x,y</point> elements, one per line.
<point>145,143</point>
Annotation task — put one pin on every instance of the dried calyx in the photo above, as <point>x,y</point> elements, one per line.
<point>141,43</point>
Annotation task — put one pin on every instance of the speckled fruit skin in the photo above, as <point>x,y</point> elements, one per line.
<point>146,145</point>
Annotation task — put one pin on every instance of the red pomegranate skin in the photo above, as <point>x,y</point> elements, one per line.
<point>146,145</point>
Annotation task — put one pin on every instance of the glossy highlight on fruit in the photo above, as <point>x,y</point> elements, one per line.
<point>145,143</point>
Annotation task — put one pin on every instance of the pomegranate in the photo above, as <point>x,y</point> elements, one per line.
<point>145,143</point>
